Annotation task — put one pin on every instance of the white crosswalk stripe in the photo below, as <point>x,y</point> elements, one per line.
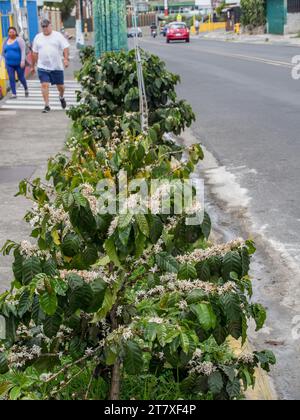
<point>35,100</point>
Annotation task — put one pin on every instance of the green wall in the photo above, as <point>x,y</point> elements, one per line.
<point>276,16</point>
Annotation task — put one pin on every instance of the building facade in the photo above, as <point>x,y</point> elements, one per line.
<point>283,16</point>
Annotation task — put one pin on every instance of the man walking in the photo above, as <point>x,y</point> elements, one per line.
<point>51,54</point>
<point>197,26</point>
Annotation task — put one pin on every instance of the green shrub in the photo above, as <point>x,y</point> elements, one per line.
<point>110,300</point>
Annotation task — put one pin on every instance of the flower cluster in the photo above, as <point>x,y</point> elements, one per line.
<point>29,250</point>
<point>247,358</point>
<point>73,144</point>
<point>20,355</point>
<point>90,276</point>
<point>87,191</point>
<point>55,216</point>
<point>200,255</point>
<point>124,333</point>
<point>169,283</point>
<point>204,368</point>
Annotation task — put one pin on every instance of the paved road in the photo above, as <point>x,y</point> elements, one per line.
<point>35,101</point>
<point>247,106</point>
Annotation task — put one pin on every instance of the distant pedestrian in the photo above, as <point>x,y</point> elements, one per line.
<point>51,54</point>
<point>197,26</point>
<point>14,53</point>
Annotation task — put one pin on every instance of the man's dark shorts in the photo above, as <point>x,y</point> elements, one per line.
<point>55,77</point>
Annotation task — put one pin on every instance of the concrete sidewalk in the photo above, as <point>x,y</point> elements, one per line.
<point>27,139</point>
<point>291,40</point>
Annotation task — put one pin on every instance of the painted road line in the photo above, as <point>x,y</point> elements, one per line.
<point>39,102</point>
<point>7,113</point>
<point>243,57</point>
<point>32,108</point>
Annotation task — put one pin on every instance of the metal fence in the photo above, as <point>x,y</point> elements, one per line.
<point>143,19</point>
<point>293,6</point>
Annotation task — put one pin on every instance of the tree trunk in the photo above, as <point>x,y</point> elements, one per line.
<point>110,26</point>
<point>115,381</point>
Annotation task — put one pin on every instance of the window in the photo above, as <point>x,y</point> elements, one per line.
<point>293,6</point>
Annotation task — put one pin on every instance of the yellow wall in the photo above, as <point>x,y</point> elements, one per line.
<point>210,27</point>
<point>213,26</point>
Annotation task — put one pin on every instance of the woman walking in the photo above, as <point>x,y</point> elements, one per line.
<point>13,51</point>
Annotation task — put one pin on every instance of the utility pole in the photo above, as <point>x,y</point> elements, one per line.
<point>79,24</point>
<point>166,8</point>
<point>110,26</point>
<point>212,10</point>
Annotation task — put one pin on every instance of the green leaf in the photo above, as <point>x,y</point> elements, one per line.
<point>231,262</point>
<point>205,315</point>
<point>245,261</point>
<point>185,342</point>
<point>71,245</point>
<point>50,268</point>
<point>233,388</point>
<point>81,298</point>
<point>77,347</point>
<point>15,393</point>
<point>48,302</point>
<point>231,306</point>
<point>187,272</point>
<point>143,224</point>
<point>90,255</point>
<point>155,227</point>
<point>266,358</point>
<point>74,281</point>
<point>133,359</point>
<point>197,295</point>
<point>60,287</point>
<point>140,241</point>
<point>235,328</point>
<point>124,220</point>
<point>161,334</point>
<point>5,387</point>
<point>3,364</point>
<point>51,325</point>
<point>206,225</point>
<point>24,303</point>
<point>111,251</point>
<point>194,384</point>
<point>110,356</point>
<point>229,372</point>
<point>220,334</point>
<point>150,332</point>
<point>18,266</point>
<point>124,234</point>
<point>259,314</point>
<point>215,383</point>
<point>203,271</point>
<point>251,247</point>
<point>31,267</point>
<point>98,288</point>
<point>167,262</point>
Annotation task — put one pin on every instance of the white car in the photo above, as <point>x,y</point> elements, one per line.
<point>132,32</point>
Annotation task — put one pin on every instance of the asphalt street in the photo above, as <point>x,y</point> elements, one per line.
<point>247,106</point>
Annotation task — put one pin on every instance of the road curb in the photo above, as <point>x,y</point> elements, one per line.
<point>264,389</point>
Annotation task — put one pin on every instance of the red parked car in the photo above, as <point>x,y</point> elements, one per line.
<point>178,31</point>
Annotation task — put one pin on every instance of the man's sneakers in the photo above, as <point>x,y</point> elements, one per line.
<point>26,93</point>
<point>46,109</point>
<point>13,97</point>
<point>63,103</point>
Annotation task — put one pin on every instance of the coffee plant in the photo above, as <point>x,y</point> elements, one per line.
<point>121,295</point>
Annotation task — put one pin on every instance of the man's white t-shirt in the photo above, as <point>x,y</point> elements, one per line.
<point>50,50</point>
